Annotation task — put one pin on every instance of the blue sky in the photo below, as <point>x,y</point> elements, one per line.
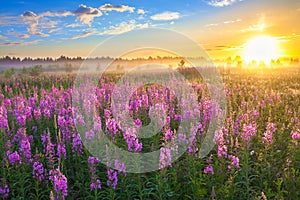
<point>73,28</point>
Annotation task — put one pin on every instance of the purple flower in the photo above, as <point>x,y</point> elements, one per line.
<point>4,190</point>
<point>120,167</point>
<point>3,118</point>
<point>268,135</point>
<point>249,131</point>
<point>14,158</point>
<point>112,178</point>
<point>47,113</point>
<point>95,183</point>
<point>44,138</point>
<point>138,122</point>
<point>97,124</point>
<point>34,129</point>
<point>221,141</point>
<point>93,160</point>
<point>76,145</point>
<point>61,151</point>
<point>60,183</point>
<point>169,134</point>
<point>209,169</point>
<point>234,161</point>
<point>295,136</point>
<point>111,126</point>
<point>165,158</point>
<point>25,149</point>
<point>38,171</point>
<point>21,120</point>
<point>107,114</point>
<point>90,135</point>
<point>49,151</point>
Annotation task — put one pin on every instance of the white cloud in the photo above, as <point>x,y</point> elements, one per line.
<point>259,26</point>
<point>123,27</point>
<point>165,16</point>
<point>36,22</point>
<point>29,15</point>
<point>86,14</point>
<point>82,35</point>
<point>232,21</point>
<point>118,8</point>
<point>10,20</point>
<point>56,14</point>
<point>23,36</point>
<point>16,34</point>
<point>31,19</point>
<point>55,30</point>
<point>2,37</point>
<point>74,25</point>
<point>13,43</point>
<point>222,3</point>
<point>256,27</point>
<point>141,11</point>
<point>211,25</point>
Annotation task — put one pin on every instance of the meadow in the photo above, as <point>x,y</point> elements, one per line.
<point>256,153</point>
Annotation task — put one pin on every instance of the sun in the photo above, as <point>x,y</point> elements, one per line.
<point>261,48</point>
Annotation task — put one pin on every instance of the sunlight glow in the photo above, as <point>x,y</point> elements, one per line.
<point>261,48</point>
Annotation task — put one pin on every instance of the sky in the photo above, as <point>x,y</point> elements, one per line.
<point>51,28</point>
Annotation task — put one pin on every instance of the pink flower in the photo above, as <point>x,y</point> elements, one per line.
<point>249,131</point>
<point>14,158</point>
<point>295,136</point>
<point>165,158</point>
<point>90,135</point>
<point>209,169</point>
<point>234,161</point>
<point>60,183</point>
<point>268,135</point>
<point>112,178</point>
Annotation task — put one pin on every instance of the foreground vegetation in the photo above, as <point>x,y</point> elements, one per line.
<point>256,156</point>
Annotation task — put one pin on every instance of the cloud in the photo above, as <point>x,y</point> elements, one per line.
<point>32,20</point>
<point>56,14</point>
<point>74,25</point>
<point>2,37</point>
<point>222,3</point>
<point>224,22</point>
<point>86,14</point>
<point>141,12</point>
<point>22,36</point>
<point>118,8</point>
<point>29,15</point>
<point>256,27</point>
<point>54,30</point>
<point>287,38</point>
<point>82,35</point>
<point>10,20</point>
<point>123,27</point>
<point>16,34</point>
<point>13,43</point>
<point>41,21</point>
<point>165,16</point>
<point>259,26</point>
<point>211,25</point>
<point>232,21</point>
<point>224,48</point>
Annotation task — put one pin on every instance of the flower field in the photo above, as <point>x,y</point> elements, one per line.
<point>256,153</point>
